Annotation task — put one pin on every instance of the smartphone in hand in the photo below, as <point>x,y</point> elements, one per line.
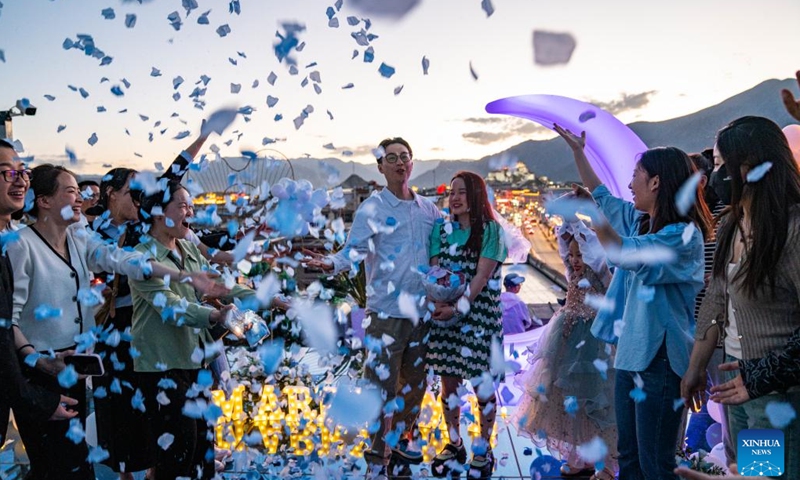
<point>89,364</point>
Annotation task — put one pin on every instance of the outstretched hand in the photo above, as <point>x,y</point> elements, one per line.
<point>61,412</point>
<point>575,142</point>
<point>317,261</point>
<point>792,104</point>
<point>732,392</point>
<point>582,193</point>
<point>206,284</point>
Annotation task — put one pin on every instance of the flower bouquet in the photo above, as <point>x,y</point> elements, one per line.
<point>248,325</point>
<point>444,286</point>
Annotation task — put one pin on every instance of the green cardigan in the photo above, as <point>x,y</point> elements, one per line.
<point>169,323</point>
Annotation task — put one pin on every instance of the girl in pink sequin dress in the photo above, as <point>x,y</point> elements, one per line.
<point>568,390</point>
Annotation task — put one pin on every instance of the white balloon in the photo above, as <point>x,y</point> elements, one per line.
<point>716,411</point>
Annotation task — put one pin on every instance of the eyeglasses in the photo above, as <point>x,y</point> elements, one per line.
<point>392,158</point>
<point>11,176</point>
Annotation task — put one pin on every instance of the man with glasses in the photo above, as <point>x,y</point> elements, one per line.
<point>26,400</point>
<point>391,234</point>
<point>90,191</point>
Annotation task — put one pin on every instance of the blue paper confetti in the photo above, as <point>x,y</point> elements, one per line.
<point>780,414</point>
<point>117,90</point>
<point>571,405</point>
<point>68,377</point>
<point>223,30</point>
<point>203,19</point>
<point>175,20</point>
<point>46,312</point>
<point>189,5</point>
<point>73,159</point>
<point>93,139</point>
<point>586,116</point>
<point>472,71</point>
<point>638,395</point>
<point>130,20</point>
<point>487,7</point>
<point>75,432</point>
<point>757,173</point>
<point>386,71</point>
<point>108,14</point>
<point>154,72</point>
<point>97,455</point>
<point>271,101</point>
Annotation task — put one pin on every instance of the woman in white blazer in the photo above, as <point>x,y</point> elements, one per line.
<point>54,306</point>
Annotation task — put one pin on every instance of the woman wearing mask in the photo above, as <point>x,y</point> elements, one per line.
<point>752,299</point>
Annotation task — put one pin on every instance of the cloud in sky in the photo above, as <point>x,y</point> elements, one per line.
<point>501,128</point>
<point>626,102</point>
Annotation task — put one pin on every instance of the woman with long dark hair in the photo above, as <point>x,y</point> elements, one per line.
<point>52,261</point>
<point>752,301</point>
<point>658,254</point>
<point>470,243</point>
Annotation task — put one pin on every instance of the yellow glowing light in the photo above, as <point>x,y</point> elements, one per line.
<point>290,410</point>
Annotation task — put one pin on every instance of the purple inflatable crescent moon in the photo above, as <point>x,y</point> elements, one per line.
<point>611,146</point>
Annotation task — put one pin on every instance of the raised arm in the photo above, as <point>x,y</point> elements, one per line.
<point>792,105</point>
<point>588,176</point>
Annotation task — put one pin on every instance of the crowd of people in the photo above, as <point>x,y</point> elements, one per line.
<point>727,301</point>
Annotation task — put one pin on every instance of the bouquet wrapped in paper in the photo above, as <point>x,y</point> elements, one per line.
<point>247,324</point>
<point>442,285</point>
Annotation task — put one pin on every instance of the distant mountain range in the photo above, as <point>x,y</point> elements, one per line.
<point>552,158</point>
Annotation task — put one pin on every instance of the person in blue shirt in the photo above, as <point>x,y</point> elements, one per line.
<point>657,252</point>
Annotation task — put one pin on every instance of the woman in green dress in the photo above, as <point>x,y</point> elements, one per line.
<point>470,243</point>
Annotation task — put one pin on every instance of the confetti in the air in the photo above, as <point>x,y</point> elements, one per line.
<point>757,173</point>
<point>487,7</point>
<point>687,193</point>
<point>551,48</point>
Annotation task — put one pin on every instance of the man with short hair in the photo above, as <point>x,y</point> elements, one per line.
<point>516,316</point>
<point>391,234</point>
<point>25,399</point>
<point>90,192</point>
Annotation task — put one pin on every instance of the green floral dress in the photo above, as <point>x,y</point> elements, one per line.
<point>464,350</point>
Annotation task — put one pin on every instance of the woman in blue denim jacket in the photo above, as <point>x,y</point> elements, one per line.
<point>657,251</point>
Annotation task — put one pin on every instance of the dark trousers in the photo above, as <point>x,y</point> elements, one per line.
<point>648,429</point>
<point>191,453</point>
<point>52,455</point>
